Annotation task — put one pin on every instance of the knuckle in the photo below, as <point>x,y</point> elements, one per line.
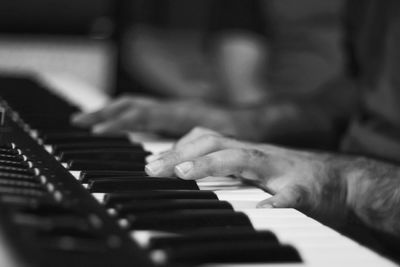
<point>300,195</point>
<point>123,100</point>
<point>208,165</point>
<point>248,157</point>
<point>173,157</point>
<point>255,154</point>
<point>212,140</point>
<point>103,114</point>
<point>200,130</point>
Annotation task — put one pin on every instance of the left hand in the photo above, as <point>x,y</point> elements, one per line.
<point>173,118</point>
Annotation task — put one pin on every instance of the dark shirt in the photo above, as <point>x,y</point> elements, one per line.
<point>374,32</point>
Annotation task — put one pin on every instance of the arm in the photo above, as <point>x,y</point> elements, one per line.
<point>312,121</point>
<point>170,62</point>
<point>286,122</point>
<point>374,193</point>
<point>326,186</point>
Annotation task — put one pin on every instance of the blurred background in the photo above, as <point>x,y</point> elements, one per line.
<point>63,37</point>
<point>183,48</point>
<point>92,39</point>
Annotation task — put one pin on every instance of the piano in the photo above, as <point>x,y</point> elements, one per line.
<point>69,198</point>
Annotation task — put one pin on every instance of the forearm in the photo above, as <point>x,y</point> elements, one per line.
<point>352,190</point>
<point>157,58</point>
<point>292,123</point>
<point>315,120</point>
<point>373,193</point>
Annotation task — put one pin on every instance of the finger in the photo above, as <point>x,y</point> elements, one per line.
<point>195,133</point>
<point>109,112</point>
<point>128,121</point>
<point>204,145</point>
<point>157,156</point>
<point>225,162</point>
<point>288,197</point>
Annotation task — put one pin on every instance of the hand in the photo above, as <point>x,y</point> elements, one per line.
<point>296,179</point>
<point>174,118</point>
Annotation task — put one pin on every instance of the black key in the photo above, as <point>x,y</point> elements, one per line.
<point>47,127</point>
<point>57,149</point>
<point>7,146</point>
<point>21,178</point>
<point>55,223</point>
<point>74,244</point>
<point>118,178</point>
<point>114,198</point>
<point>236,235</point>
<point>187,220</point>
<point>67,231</point>
<point>84,165</point>
<point>148,206</point>
<point>5,151</point>
<point>147,183</point>
<point>105,154</point>
<point>241,252</point>
<point>34,193</point>
<point>46,123</point>
<point>15,158</point>
<point>85,176</point>
<point>82,137</point>
<point>15,170</point>
<point>24,201</point>
<point>14,164</point>
<point>20,184</point>
<point>45,207</point>
<point>16,176</point>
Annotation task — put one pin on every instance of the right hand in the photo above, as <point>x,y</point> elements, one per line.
<point>297,179</point>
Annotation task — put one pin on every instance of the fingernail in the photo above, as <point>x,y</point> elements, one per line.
<point>265,206</point>
<point>152,158</point>
<point>184,168</point>
<point>98,129</point>
<point>77,117</point>
<point>153,168</point>
<point>249,175</point>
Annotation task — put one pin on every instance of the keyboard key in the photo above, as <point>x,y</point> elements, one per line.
<point>186,220</point>
<point>114,198</point>
<point>159,206</point>
<point>105,154</point>
<point>236,235</point>
<point>86,176</point>
<point>243,252</point>
<point>85,165</point>
<point>147,183</point>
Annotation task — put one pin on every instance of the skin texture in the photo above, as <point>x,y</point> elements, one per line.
<point>326,186</point>
<point>273,121</point>
<point>173,118</point>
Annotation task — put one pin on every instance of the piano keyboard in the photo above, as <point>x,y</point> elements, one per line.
<point>81,200</point>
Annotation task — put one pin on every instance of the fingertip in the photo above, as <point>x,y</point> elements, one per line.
<point>154,168</point>
<point>265,204</point>
<point>149,171</point>
<point>152,158</point>
<point>78,118</point>
<point>100,129</point>
<point>183,170</point>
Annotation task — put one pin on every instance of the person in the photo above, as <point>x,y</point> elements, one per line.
<point>305,58</point>
<point>361,183</point>
<point>161,50</point>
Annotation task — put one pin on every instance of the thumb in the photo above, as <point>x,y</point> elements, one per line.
<point>288,197</point>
